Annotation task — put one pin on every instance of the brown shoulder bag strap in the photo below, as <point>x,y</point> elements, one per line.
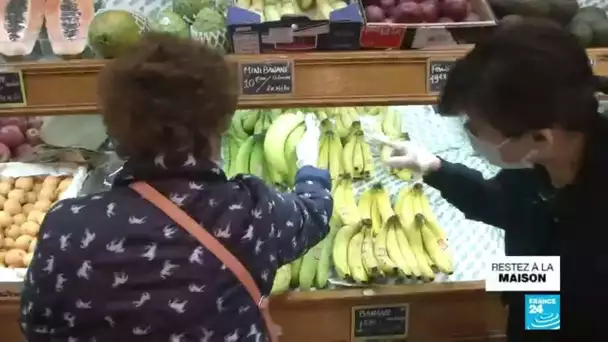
<point>214,246</point>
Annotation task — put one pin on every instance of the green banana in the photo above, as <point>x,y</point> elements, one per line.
<point>281,280</point>
<point>276,137</point>
<point>308,269</point>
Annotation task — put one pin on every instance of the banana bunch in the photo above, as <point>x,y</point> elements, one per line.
<point>344,119</point>
<point>391,124</point>
<point>280,144</point>
<point>357,159</point>
<point>330,154</point>
<point>248,122</point>
<point>420,227</point>
<point>275,9</point>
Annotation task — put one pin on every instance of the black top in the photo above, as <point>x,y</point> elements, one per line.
<point>112,267</point>
<point>541,220</point>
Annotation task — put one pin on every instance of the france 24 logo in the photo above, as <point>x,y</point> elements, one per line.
<point>542,312</point>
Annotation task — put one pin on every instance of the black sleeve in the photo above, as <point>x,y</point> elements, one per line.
<point>479,199</point>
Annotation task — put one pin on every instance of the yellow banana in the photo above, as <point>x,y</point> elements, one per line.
<point>437,254</point>
<point>376,218</point>
<point>276,138</point>
<point>406,252</point>
<point>368,160</point>
<point>394,252</point>
<point>340,249</point>
<point>290,152</point>
<point>386,264</point>
<point>358,161</point>
<point>348,156</point>
<point>335,156</point>
<point>367,254</point>
<point>349,200</point>
<point>365,206</point>
<point>355,259</point>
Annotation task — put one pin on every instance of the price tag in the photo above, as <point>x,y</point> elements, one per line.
<point>438,74</point>
<point>380,322</point>
<point>381,36</point>
<point>12,91</point>
<point>264,78</point>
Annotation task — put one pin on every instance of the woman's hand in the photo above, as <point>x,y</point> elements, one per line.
<point>411,156</point>
<point>307,150</point>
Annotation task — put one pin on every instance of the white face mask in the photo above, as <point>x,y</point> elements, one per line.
<point>491,153</point>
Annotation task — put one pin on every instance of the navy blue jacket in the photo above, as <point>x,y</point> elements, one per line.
<point>112,267</point>
<point>538,219</point>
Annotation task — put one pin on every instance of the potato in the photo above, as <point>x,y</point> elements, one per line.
<point>25,183</point>
<point>43,205</point>
<point>5,219</point>
<point>2,257</point>
<point>23,242</point>
<point>65,184</point>
<point>40,218</point>
<point>47,194</point>
<point>33,215</point>
<point>19,219</point>
<point>12,207</point>
<point>9,180</point>
<point>27,208</point>
<point>14,258</point>
<point>50,182</point>
<point>5,188</point>
<point>33,245</point>
<point>8,242</point>
<point>2,200</point>
<point>37,187</point>
<point>13,231</point>
<point>27,259</point>
<point>30,228</point>
<point>31,197</point>
<point>17,195</point>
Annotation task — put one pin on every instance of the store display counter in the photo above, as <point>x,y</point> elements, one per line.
<point>289,80</point>
<point>460,311</point>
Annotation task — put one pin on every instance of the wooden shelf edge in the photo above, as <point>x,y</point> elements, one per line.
<point>321,80</point>
<point>381,292</point>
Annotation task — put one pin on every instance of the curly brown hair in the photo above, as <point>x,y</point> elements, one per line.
<point>167,93</point>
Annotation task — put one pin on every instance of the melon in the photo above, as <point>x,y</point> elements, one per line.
<point>114,32</point>
<point>22,21</point>
<point>209,27</point>
<point>172,23</point>
<point>67,23</point>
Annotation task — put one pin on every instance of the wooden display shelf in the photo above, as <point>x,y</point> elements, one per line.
<point>319,79</point>
<point>445,312</point>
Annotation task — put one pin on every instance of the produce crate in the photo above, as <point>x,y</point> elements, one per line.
<point>386,35</point>
<point>249,35</point>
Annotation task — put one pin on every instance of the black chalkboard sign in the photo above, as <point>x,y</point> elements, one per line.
<point>265,78</point>
<point>438,74</point>
<point>380,322</point>
<point>12,91</point>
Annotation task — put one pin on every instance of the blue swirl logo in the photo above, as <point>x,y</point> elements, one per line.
<point>550,321</point>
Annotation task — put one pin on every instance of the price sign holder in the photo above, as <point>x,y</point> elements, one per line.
<point>267,77</point>
<point>12,89</point>
<point>437,71</point>
<point>380,322</point>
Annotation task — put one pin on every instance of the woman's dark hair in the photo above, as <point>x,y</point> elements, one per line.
<point>529,75</point>
<point>167,93</point>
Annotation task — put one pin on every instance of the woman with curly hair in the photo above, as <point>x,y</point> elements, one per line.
<point>174,251</point>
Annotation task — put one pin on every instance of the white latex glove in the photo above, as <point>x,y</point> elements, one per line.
<point>411,156</point>
<point>307,149</point>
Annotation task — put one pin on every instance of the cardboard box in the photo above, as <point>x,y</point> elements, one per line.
<point>248,35</point>
<point>425,35</point>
